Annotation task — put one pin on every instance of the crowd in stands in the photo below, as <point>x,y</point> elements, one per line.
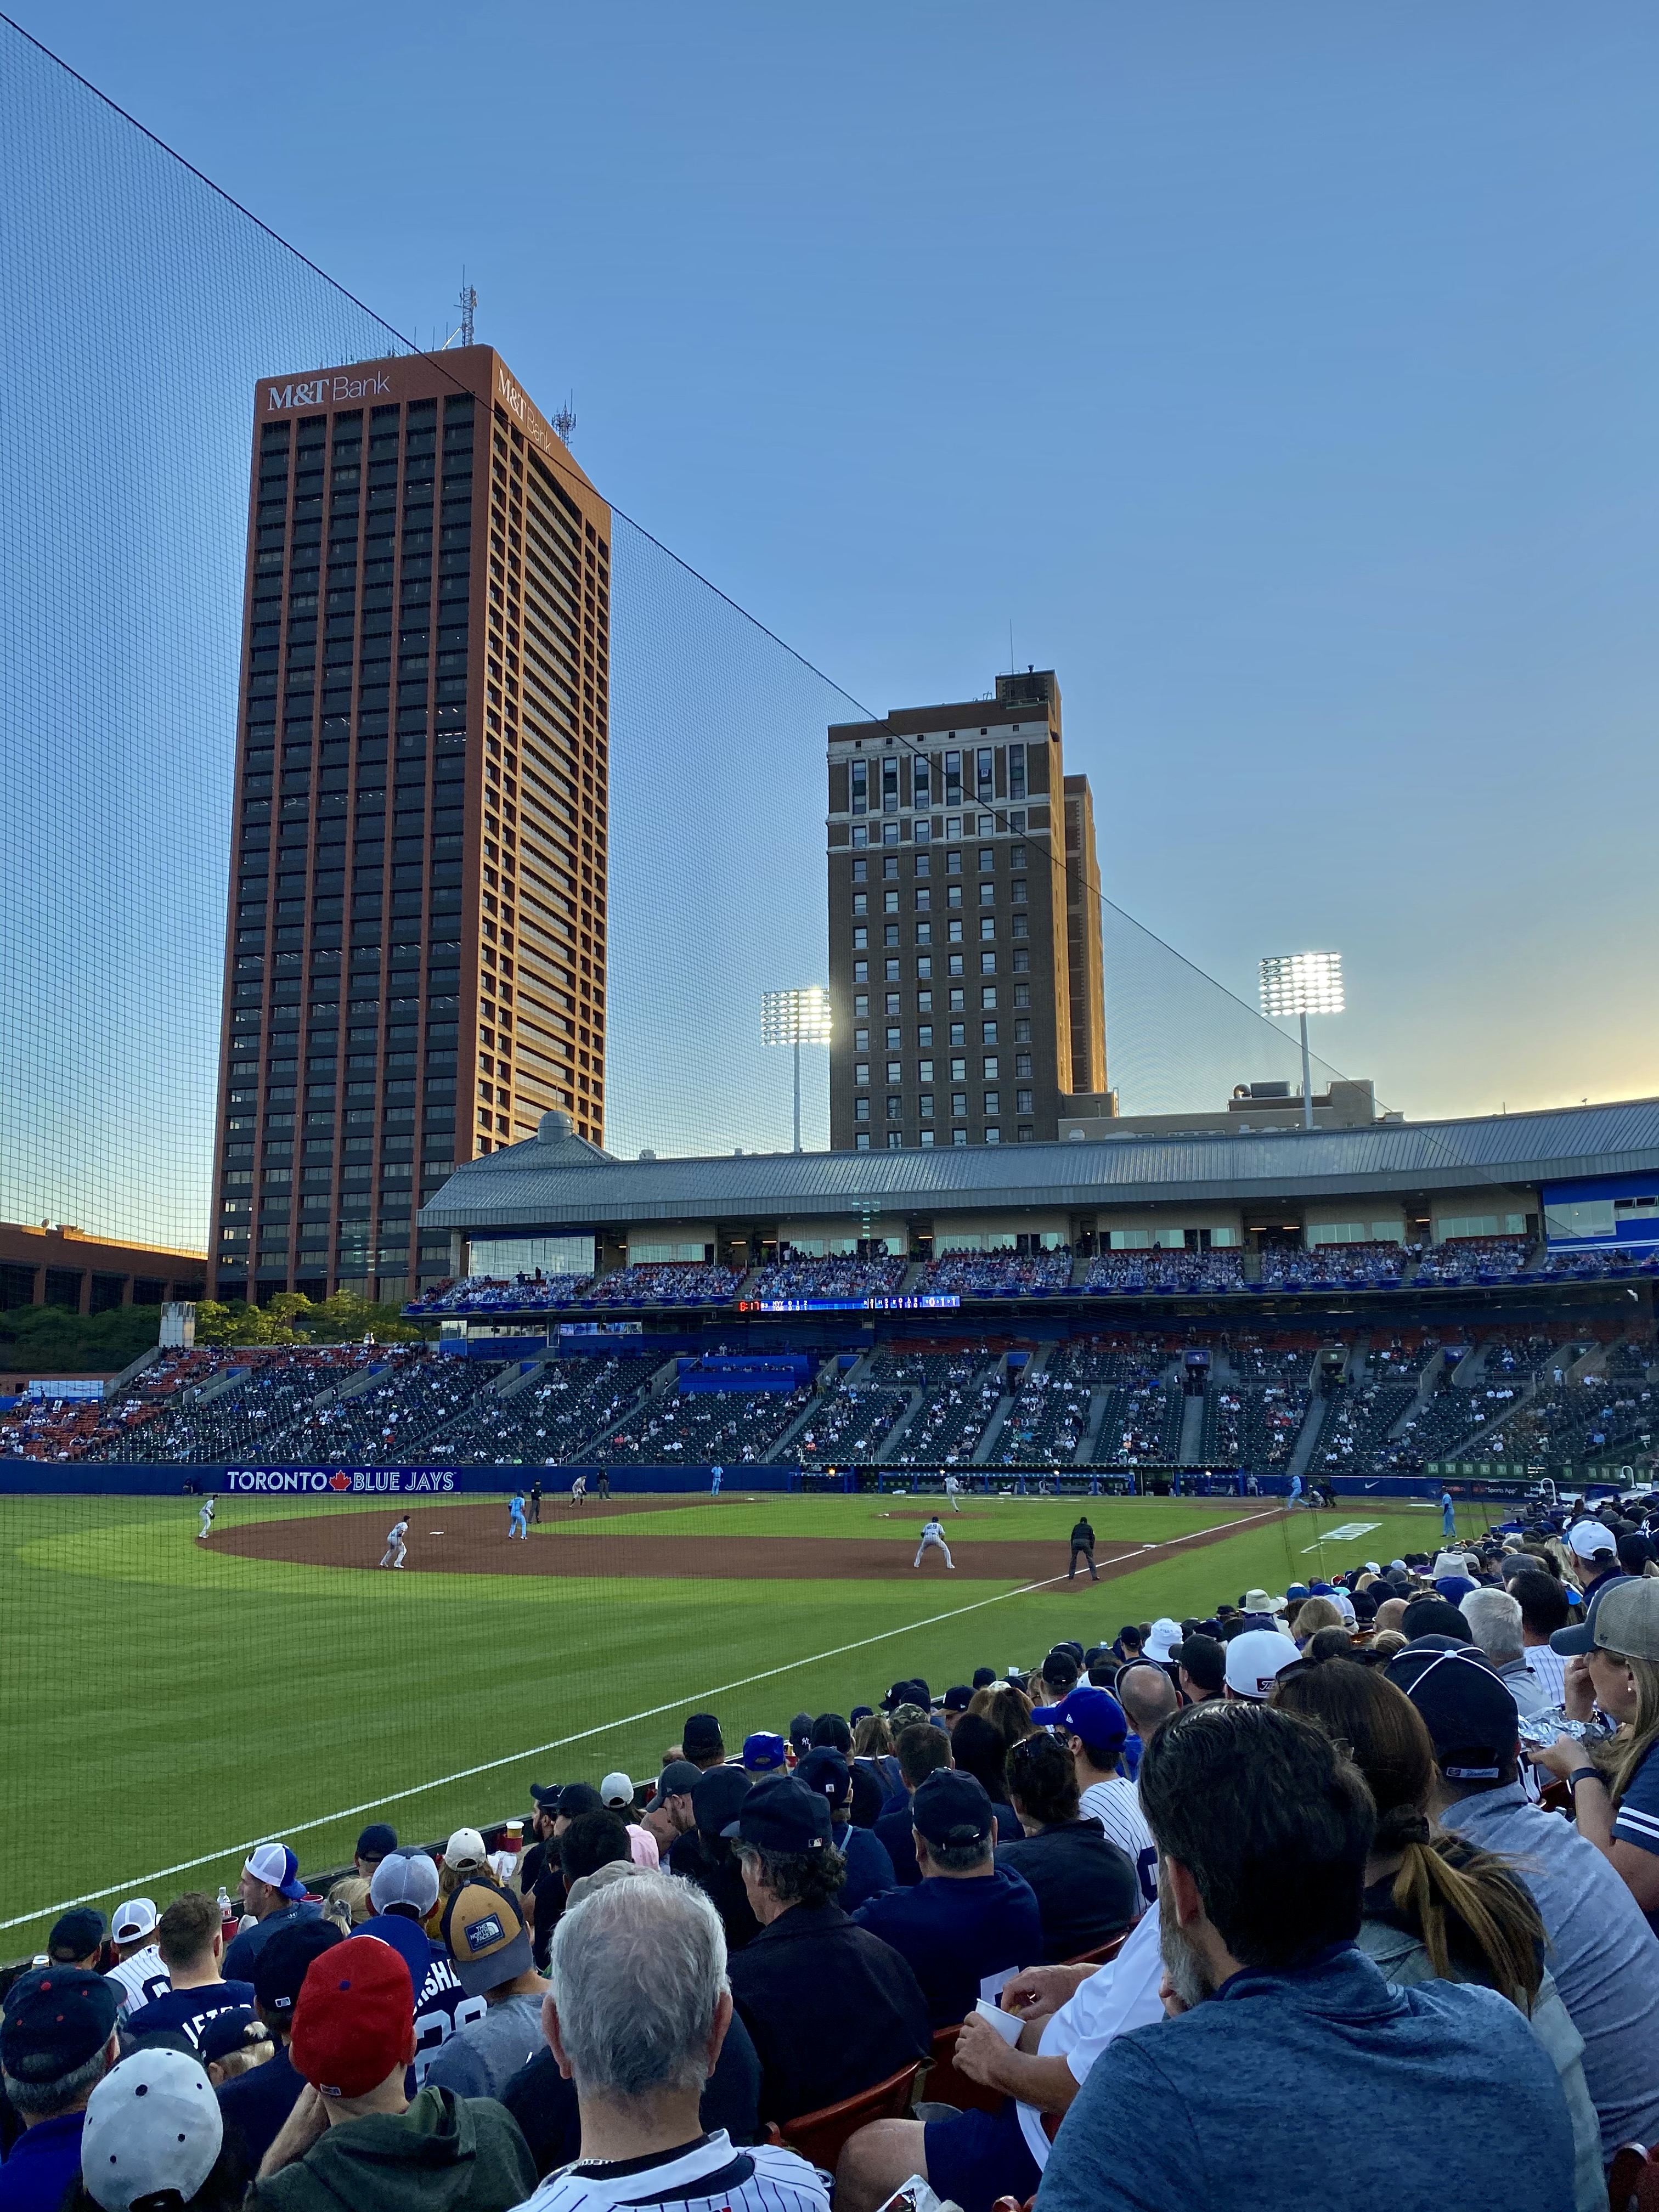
<point>1380,1267</point>
<point>1048,1418</point>
<point>834,1276</point>
<point>999,1274</point>
<point>1162,1922</point>
<point>664,1283</point>
<point>1597,1266</point>
<point>706,1428</point>
<point>483,1294</point>
<point>962,1392</point>
<point>557,1413</point>
<point>1218,1269</point>
<point>1472,1259</point>
<point>851,1422</point>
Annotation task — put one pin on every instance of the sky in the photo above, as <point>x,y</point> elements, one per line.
<point>1281,376</point>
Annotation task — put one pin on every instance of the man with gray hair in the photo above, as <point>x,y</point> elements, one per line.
<point>1494,1618</point>
<point>638,2010</point>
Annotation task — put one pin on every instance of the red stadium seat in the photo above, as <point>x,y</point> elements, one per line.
<point>818,2137</point>
<point>1633,2180</point>
<point>945,2086</point>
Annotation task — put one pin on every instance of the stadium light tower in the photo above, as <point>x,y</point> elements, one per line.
<point>796,1018</point>
<point>1302,984</point>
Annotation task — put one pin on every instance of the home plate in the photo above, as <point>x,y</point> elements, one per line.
<point>1345,1534</point>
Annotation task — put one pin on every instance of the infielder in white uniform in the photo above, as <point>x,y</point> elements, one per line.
<point>396,1549</point>
<point>579,1490</point>
<point>951,1487</point>
<point>206,1528</point>
<point>933,1538</point>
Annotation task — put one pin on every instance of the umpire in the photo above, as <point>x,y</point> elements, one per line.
<point>1083,1545</point>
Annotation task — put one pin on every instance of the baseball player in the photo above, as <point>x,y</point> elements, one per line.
<point>714,1486</point>
<point>932,1539</point>
<point>516,1526</point>
<point>1447,1516</point>
<point>206,1528</point>
<point>1295,1497</point>
<point>396,1548</point>
<point>579,1490</point>
<point>952,1487</point>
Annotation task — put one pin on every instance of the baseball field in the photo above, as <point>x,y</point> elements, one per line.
<point>167,1702</point>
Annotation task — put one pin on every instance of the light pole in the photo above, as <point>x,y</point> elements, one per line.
<point>1302,983</point>
<point>796,1018</point>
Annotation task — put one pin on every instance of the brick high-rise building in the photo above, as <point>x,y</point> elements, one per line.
<point>415,958</point>
<point>958,1017</point>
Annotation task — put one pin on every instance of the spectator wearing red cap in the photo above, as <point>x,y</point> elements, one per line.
<point>353,2138</point>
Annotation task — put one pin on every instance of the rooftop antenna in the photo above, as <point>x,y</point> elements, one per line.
<point>467,304</point>
<point>565,421</point>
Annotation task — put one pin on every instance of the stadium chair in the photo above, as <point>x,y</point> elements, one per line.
<point>1103,1955</point>
<point>818,2137</point>
<point>1633,2180</point>
<point>945,2086</point>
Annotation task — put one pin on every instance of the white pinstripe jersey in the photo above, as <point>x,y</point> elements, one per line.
<point>710,2177</point>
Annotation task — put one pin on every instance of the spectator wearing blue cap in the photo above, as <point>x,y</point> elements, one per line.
<point>764,1754</point>
<point>832,2009</point>
<point>271,1891</point>
<point>1085,1887</point>
<point>969,1923</point>
<point>58,2041</point>
<point>378,1841</point>
<point>77,1938</point>
<point>869,1869</point>
<point>1094,1727</point>
<point>259,2101</point>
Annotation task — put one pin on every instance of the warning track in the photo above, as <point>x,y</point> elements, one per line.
<point>474,1542</point>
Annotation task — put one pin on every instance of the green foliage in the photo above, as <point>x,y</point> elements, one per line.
<point>291,1318</point>
<point>52,1339</point>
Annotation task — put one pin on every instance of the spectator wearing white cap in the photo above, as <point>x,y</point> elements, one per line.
<point>140,1972</point>
<point>154,2133</point>
<point>1256,1661</point>
<point>272,1892</point>
<point>1160,1645</point>
<point>1595,1553</point>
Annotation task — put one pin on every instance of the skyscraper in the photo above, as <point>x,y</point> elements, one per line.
<point>959,992</point>
<point>415,960</point>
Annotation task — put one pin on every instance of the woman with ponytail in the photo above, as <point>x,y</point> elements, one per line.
<point>1435,1908</point>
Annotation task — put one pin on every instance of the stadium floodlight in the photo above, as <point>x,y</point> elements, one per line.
<point>796,1018</point>
<point>1302,983</point>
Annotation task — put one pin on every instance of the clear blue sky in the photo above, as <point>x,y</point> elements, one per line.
<point>1284,375</point>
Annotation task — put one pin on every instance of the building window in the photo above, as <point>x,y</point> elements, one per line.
<point>925,1003</point>
<point>860,1004</point>
<point>922,863</point>
<point>860,903</point>
<point>889,833</point>
<point>1019,890</point>
<point>889,786</point>
<point>890,874</point>
<point>1016,771</point>
<point>1021,922</point>
<point>953,930</point>
<point>919,782</point>
<point>890,902</point>
<point>860,940</point>
<point>924,933</point>
<point>983,773</point>
<point>893,1041</point>
<point>1022,1062</point>
<point>895,1110</point>
<point>922,832</point>
<point>959,1106</point>
<point>987,964</point>
<point>993,1102</point>
<point>1022,962</point>
<point>924,898</point>
<point>860,873</point>
<point>988,1032</point>
<point>953,779</point>
<point>987,894</point>
<point>860,834</point>
<point>862,1071</point>
<point>987,928</point>
<point>927,1105</point>
<point>958,1030</point>
<point>860,971</point>
<point>925,967</point>
<point>958,1136</point>
<point>860,786</point>
<point>924,1036</point>
<point>861,1109</point>
<point>1027,1133</point>
<point>892,972</point>
<point>988,994</point>
<point>924,1071</point>
<point>953,868</point>
<point>892,1004</point>
<point>926,1136</point>
<point>1017,857</point>
<point>958,1071</point>
<point>862,1140</point>
<point>991,1071</point>
<point>954,965</point>
<point>861,1042</point>
<point>895,1073</point>
<point>894,1140</point>
<point>994,1136</point>
<point>1022,1101</point>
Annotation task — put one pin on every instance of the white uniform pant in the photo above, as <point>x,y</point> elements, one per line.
<point>934,1544</point>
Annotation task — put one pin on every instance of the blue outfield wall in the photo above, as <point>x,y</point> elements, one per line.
<point>21,1478</point>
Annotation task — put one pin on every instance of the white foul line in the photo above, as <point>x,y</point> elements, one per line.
<point>138,1884</point>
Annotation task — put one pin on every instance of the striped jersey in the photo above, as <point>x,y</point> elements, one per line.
<point>1116,1805</point>
<point>706,2177</point>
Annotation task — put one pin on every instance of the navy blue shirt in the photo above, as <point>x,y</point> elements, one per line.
<point>186,2012</point>
<point>1239,2101</point>
<point>956,1931</point>
<point>237,1964</point>
<point>44,2161</point>
<point>259,2101</point>
<point>869,1867</point>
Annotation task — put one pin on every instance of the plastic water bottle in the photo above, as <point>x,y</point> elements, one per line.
<point>226,1911</point>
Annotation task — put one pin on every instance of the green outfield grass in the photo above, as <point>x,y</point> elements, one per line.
<point>166,1701</point>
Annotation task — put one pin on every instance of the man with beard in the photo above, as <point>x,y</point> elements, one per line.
<point>1263,1827</point>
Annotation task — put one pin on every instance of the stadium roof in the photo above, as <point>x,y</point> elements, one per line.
<point>556,1180</point>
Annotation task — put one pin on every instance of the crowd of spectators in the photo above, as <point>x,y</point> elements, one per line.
<point>483,1294</point>
<point>1379,1267</point>
<point>961,1394</point>
<point>1130,1272</point>
<point>559,1416</point>
<point>1150,1923</point>
<point>834,1276</point>
<point>1473,1260</point>
<point>1048,1418</point>
<point>664,1283</point>
<point>999,1274</point>
<point>851,1422</point>
<point>706,1427</point>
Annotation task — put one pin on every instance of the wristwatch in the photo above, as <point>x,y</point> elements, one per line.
<point>1584,1774</point>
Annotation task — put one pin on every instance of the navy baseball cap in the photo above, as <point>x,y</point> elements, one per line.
<point>717,1796</point>
<point>782,1814</point>
<point>577,1798</point>
<point>377,1841</point>
<point>701,1737</point>
<point>958,1697</point>
<point>764,1754</point>
<point>951,1807</point>
<point>679,1778</point>
<point>281,1965</point>
<point>825,1771</point>
<point>983,1677</point>
<point>1572,1643</point>
<point>1094,1715</point>
<point>1467,1711</point>
<point>56,2019</point>
<point>226,2031</point>
<point>76,1936</point>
